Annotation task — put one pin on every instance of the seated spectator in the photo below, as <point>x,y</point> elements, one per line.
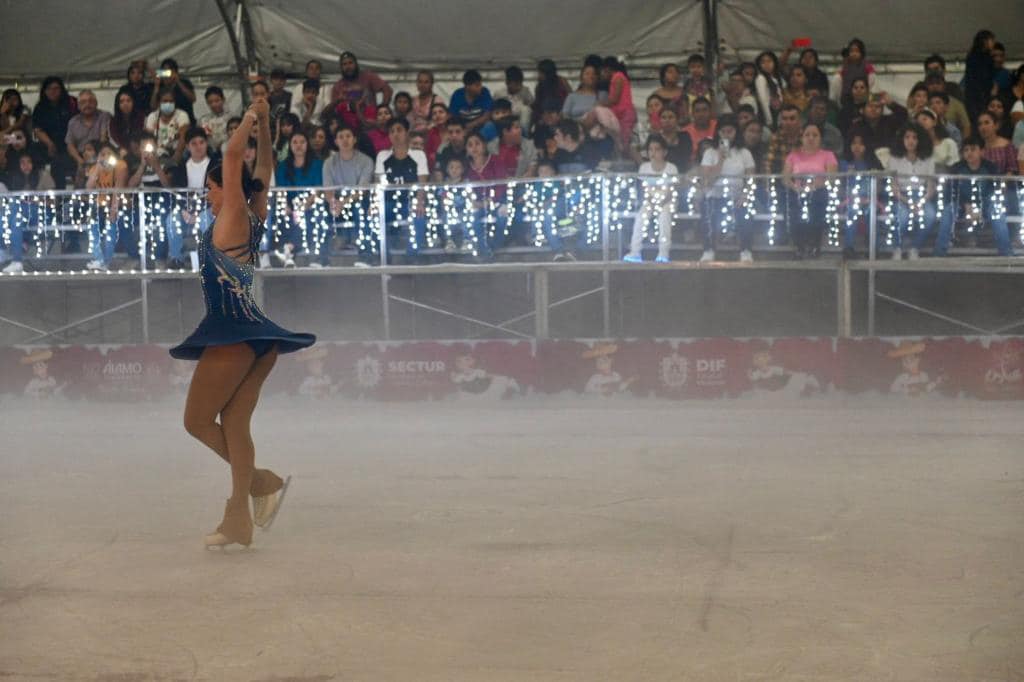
<point>15,143</point>
<point>109,172</point>
<point>703,125</point>
<point>648,125</point>
<point>232,126</point>
<point>938,102</point>
<point>490,200</point>
<point>817,113</point>
<point>90,152</point>
<point>855,67</point>
<point>678,147</point>
<point>697,83</point>
<point>403,107</point>
<point>805,170</point>
<point>472,102</point>
<point>956,113</point>
<point>573,156</point>
<point>14,115</point>
<point>547,147</point>
<point>997,108</point>
<point>620,100</point>
<point>910,160</point>
<point>1015,96</point>
<point>1001,75</point>
<point>795,92</point>
<point>520,97</point>
<point>582,105</point>
<point>28,177</point>
<point>858,195</point>
<point>378,132</point>
<point>877,128</point>
<point>973,199</point>
<point>437,133</point>
<point>657,199</point>
<point>318,144</point>
<point>215,122</point>
<point>768,88</point>
<point>517,154</point>
<point>280,99</point>
<point>853,105</point>
<point>753,140</point>
<point>745,115</point>
<point>550,117</point>
<point>817,81</point>
<point>670,92</point>
<point>945,153</point>
<point>170,125</point>
<point>979,74</point>
<point>127,122</point>
<point>400,165</point>
<point>144,165</point>
<point>917,101</point>
<point>935,65</point>
<point>723,167</point>
<point>735,94</point>
<point>457,212</point>
<point>302,226</point>
<point>423,103</point>
<point>356,89</point>
<point>550,92</point>
<point>183,92</point>
<point>188,215</point>
<point>287,125</point>
<point>786,139</point>
<point>140,90</point>
<point>50,120</point>
<point>323,95</point>
<point>348,167</point>
<point>454,146</point>
<point>305,108</point>
<point>89,124</point>
<point>997,150</point>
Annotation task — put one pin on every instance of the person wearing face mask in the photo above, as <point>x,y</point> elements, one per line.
<point>169,79</point>
<point>170,125</point>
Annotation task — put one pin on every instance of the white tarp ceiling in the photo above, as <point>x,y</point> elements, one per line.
<point>99,38</point>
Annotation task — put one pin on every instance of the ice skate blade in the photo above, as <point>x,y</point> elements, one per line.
<point>219,541</point>
<point>277,509</point>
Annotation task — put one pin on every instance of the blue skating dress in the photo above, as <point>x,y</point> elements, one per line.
<point>232,315</point>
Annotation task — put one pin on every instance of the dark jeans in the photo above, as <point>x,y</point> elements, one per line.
<point>807,217</point>
<point>716,221</point>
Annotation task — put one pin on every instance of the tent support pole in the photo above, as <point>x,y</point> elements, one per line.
<point>241,64</point>
<point>711,43</point>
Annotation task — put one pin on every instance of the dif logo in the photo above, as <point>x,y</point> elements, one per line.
<point>710,371</point>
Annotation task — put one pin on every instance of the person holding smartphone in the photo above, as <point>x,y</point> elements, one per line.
<point>169,78</point>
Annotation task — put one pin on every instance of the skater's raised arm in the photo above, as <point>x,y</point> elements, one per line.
<point>264,159</point>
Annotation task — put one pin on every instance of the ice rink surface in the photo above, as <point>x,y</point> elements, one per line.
<point>818,540</point>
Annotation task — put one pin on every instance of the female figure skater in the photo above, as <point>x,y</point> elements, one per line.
<point>235,344</point>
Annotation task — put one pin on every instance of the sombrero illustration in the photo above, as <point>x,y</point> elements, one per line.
<point>41,355</point>
<point>906,348</point>
<point>600,350</point>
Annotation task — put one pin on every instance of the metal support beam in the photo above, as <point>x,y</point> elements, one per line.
<point>540,303</point>
<point>711,43</point>
<point>145,309</point>
<point>82,321</point>
<point>448,313</point>
<point>843,302</point>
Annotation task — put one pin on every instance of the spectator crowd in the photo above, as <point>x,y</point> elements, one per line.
<point>780,114</point>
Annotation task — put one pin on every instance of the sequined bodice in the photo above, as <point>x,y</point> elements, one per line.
<point>227,283</point>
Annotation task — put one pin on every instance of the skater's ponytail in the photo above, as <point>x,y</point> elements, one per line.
<point>250,185</point>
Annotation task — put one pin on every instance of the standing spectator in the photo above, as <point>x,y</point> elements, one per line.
<point>855,66</point>
<point>305,108</point>
<point>723,167</point>
<point>979,74</point>
<point>515,152</point>
<point>349,167</point>
<point>935,65</point>
<point>14,115</point>
<point>299,169</point>
<point>877,128</point>
<point>858,196</point>
<point>805,169</point>
<point>483,166</point>
<point>703,125</point>
<point>423,102</point>
<point>817,80</point>
<point>323,95</point>
<point>170,125</point>
<point>88,125</point>
<point>697,83</point>
<point>551,91</point>
<point>853,105</point>
<point>657,199</point>
<point>356,89</point>
<point>28,178</point>
<point>168,77</point>
<point>817,113</point>
<point>735,94</point>
<point>670,91</point>
<point>140,90</point>
<point>768,87</point>
<point>973,199</point>
<point>785,140</point>
<point>1001,75</point>
<point>997,150</point>
<point>1015,96</point>
<point>620,100</point>
<point>945,153</point>
<point>911,159</point>
<point>50,119</point>
<point>472,102</point>
<point>956,112</point>
<point>938,102</point>
<point>516,93</point>
<point>280,99</point>
<point>127,122</point>
<point>215,122</point>
<point>403,166</point>
<point>679,148</point>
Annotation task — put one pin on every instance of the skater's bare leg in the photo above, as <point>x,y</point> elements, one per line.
<point>219,373</point>
<point>235,420</point>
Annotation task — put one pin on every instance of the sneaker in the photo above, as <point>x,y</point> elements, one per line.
<point>662,259</point>
<point>316,266</point>
<point>708,256</point>
<point>264,260</point>
<point>564,257</point>
<point>450,248</point>
<point>361,264</point>
<point>630,258</point>
<point>913,255</point>
<point>96,265</point>
<point>746,256</point>
<point>14,267</point>
<point>176,264</point>
<point>897,253</point>
<point>567,227</point>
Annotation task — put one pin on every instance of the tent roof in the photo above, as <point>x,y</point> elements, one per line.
<point>397,34</point>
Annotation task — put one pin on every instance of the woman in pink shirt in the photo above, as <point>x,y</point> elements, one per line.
<point>490,200</point>
<point>620,99</point>
<point>804,172</point>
